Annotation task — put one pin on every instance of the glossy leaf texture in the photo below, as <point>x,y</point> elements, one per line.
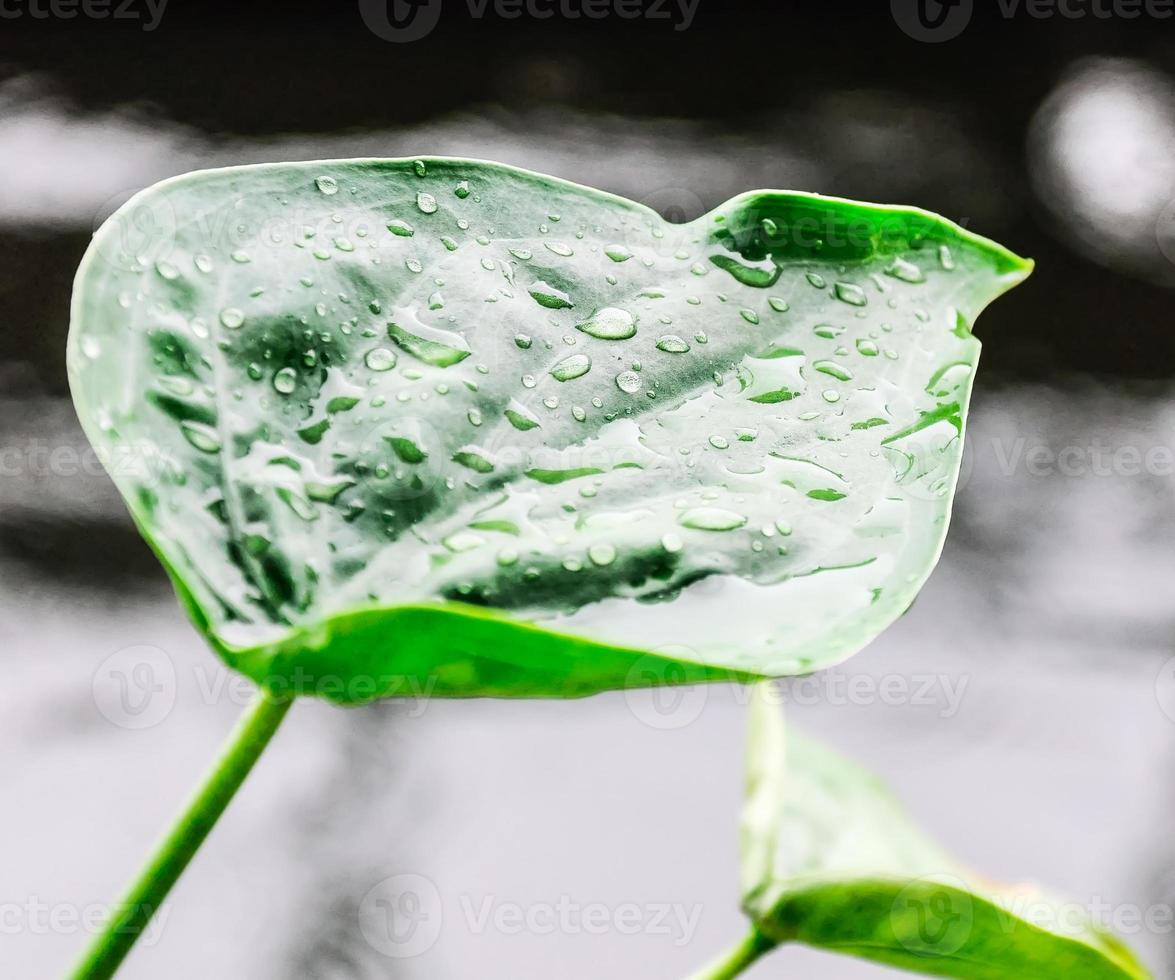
<point>447,426</point>
<point>831,860</point>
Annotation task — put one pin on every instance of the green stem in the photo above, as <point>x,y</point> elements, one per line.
<point>132,916</point>
<point>731,963</point>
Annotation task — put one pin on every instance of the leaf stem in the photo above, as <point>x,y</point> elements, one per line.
<point>735,960</point>
<point>131,916</point>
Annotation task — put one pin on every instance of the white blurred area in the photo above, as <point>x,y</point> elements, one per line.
<point>1102,149</point>
<point>1051,613</point>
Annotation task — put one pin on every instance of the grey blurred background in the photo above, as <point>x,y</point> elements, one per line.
<point>1024,709</point>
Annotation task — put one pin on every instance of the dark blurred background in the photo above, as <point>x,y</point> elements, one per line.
<point>1050,132</point>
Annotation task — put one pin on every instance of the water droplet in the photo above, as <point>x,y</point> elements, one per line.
<point>419,167</point>
<point>905,271</point>
<point>672,542</point>
<point>711,519</point>
<point>815,279</point>
<point>672,344</point>
<point>618,253</point>
<point>949,379</point>
<point>945,258</point>
<point>559,248</point>
<point>285,381</point>
<point>406,450</point>
<point>629,382</point>
<point>550,296</point>
<point>831,396</point>
<point>777,304</point>
<point>575,366</point>
<point>473,459</point>
<point>601,554</point>
<point>867,347</point>
<point>380,359</point>
<point>749,315</point>
<point>760,275</point>
<point>610,323</point>
<point>719,442</point>
<point>231,317</point>
<point>327,185</point>
<point>426,203</point>
<point>401,228</point>
<point>202,437</point>
<point>166,270</point>
<point>523,341</point>
<point>507,557</point>
<point>462,190</point>
<point>852,294</point>
<point>463,541</point>
<point>440,348</point>
<point>203,263</point>
<point>520,416</point>
<point>522,254</point>
<point>833,370</point>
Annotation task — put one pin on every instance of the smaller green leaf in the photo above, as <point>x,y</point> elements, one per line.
<point>830,859</point>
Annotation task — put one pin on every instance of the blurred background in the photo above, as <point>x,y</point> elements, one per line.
<point>1024,709</point>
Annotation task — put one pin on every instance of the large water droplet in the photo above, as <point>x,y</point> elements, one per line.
<point>285,381</point>
<point>520,416</point>
<point>610,323</point>
<point>440,348</point>
<point>426,202</point>
<point>202,437</point>
<point>575,366</point>
<point>474,459</point>
<point>629,382</point>
<point>672,344</point>
<point>406,450</point>
<point>601,554</point>
<point>850,293</point>
<point>712,519</point>
<point>905,271</point>
<point>231,317</point>
<point>550,296</point>
<point>380,359</point>
<point>328,185</point>
<point>833,370</point>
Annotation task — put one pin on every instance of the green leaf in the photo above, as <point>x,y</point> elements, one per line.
<point>830,859</point>
<point>447,426</point>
